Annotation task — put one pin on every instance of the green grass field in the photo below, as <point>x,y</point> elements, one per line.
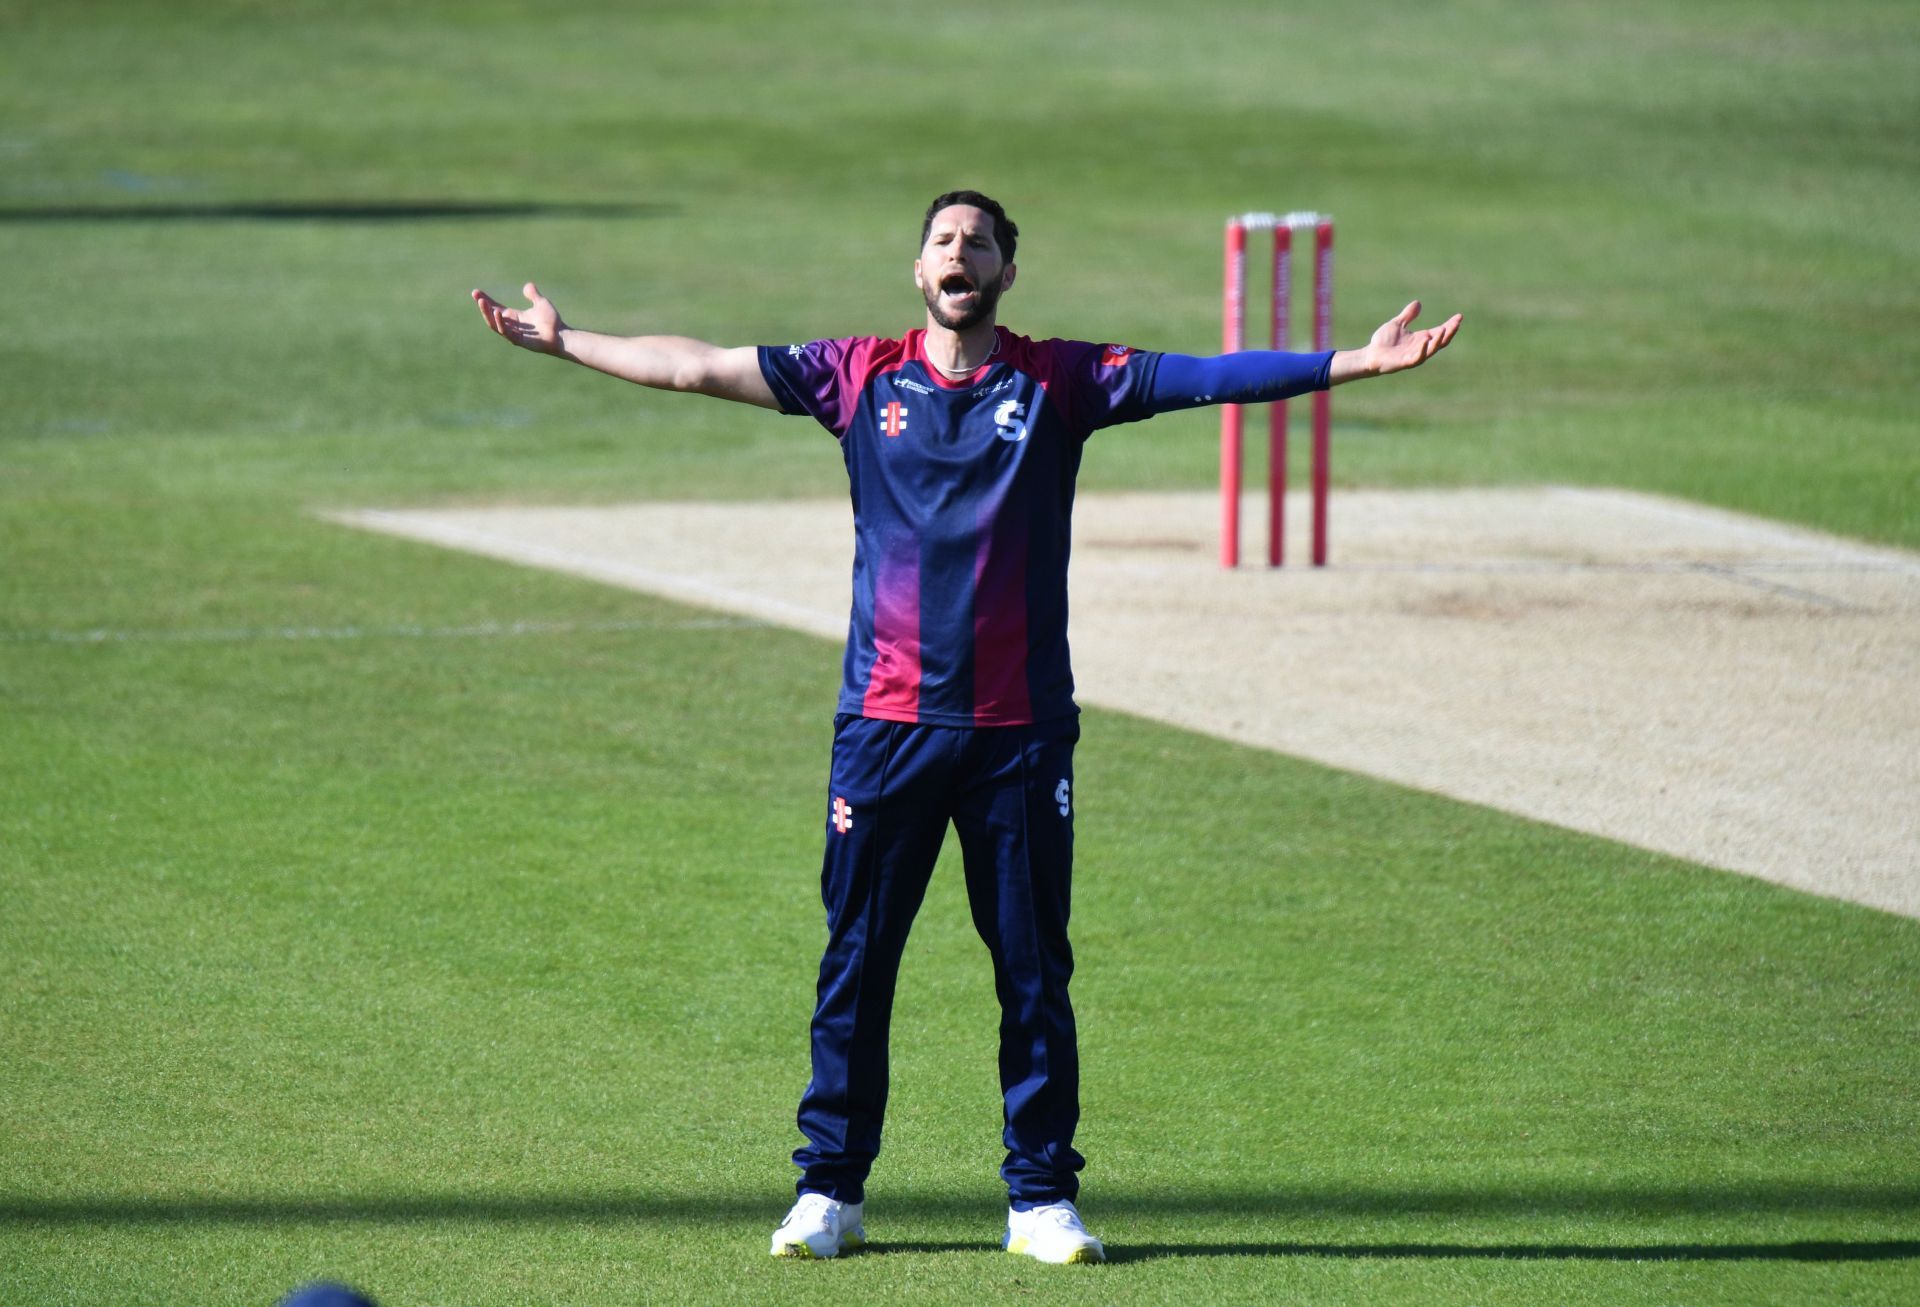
<point>344,933</point>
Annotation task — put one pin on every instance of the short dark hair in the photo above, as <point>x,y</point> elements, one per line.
<point>1005,234</point>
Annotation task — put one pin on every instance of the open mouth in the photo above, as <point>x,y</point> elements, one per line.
<point>956,285</point>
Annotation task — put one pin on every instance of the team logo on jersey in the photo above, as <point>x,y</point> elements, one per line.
<point>901,383</point>
<point>796,350</point>
<point>893,418</point>
<point>842,815</point>
<point>1116,356</point>
<point>1004,418</point>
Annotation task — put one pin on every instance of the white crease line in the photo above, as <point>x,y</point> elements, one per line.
<point>1549,568</point>
<point>244,634</point>
<point>670,584</point>
<point>1732,524</point>
<point>1755,575</point>
<point>1739,577</point>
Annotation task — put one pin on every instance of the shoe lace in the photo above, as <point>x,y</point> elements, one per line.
<point>809,1205</point>
<point>1062,1215</point>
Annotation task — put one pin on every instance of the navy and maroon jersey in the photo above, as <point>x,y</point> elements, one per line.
<point>962,500</point>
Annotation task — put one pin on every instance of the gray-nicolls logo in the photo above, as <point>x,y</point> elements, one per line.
<point>1063,795</point>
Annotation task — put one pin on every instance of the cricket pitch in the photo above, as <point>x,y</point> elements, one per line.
<point>1723,688</point>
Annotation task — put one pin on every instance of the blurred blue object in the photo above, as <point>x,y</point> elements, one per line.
<point>325,1295</point>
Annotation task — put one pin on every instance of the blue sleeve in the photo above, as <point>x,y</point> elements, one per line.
<point>1106,384</point>
<point>1254,376</point>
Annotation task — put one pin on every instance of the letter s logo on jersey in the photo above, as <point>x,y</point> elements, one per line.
<point>1004,418</point>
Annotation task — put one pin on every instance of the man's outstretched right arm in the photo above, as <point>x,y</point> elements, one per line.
<point>663,362</point>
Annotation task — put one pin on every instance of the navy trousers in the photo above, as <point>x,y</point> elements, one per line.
<point>1008,792</point>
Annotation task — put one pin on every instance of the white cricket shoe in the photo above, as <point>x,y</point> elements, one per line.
<point>1053,1234</point>
<point>819,1226</point>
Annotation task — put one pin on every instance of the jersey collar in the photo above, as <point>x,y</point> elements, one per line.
<point>918,352</point>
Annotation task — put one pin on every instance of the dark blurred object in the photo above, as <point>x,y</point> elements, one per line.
<point>325,1295</point>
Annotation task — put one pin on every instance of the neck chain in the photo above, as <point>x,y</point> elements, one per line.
<point>965,372</point>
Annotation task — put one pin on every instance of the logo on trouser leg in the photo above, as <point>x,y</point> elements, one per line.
<point>1063,795</point>
<point>842,815</point>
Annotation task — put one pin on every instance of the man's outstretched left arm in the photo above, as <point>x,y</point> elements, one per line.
<point>1395,347</point>
<point>1263,376</point>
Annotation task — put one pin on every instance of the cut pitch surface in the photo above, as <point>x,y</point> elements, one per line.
<point>1722,688</point>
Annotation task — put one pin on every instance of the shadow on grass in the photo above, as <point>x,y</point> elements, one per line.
<point>327,211</point>
<point>1827,1250</point>
<point>1638,1202</point>
<point>1804,1250</point>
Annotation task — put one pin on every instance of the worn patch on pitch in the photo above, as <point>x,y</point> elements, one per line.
<point>1727,689</point>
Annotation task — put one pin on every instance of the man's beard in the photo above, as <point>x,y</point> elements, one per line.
<point>985,299</point>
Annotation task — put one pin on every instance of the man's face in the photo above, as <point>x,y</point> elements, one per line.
<point>959,271</point>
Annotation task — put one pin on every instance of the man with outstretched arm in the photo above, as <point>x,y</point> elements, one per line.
<point>962,442</point>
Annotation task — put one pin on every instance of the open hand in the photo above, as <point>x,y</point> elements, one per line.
<point>1394,348</point>
<point>536,327</point>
